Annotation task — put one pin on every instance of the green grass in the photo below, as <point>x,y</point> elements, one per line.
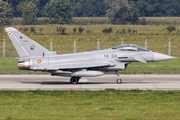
<point>89,105</point>
<point>162,20</point>
<point>10,66</point>
<point>157,38</point>
<point>105,20</point>
<point>163,67</point>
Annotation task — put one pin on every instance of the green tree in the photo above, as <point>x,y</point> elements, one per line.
<point>14,4</point>
<point>96,8</point>
<point>156,8</point>
<point>145,8</point>
<point>6,13</point>
<point>40,4</point>
<point>29,12</point>
<point>89,8</point>
<point>78,10</point>
<point>120,12</point>
<point>59,11</point>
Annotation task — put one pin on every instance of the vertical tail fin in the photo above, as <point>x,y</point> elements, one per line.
<point>24,45</point>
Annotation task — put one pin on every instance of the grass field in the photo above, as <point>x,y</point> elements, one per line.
<point>105,20</point>
<point>99,105</point>
<point>162,20</point>
<point>157,38</point>
<point>10,66</point>
<point>87,105</point>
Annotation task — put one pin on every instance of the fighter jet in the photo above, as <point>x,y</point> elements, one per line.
<point>35,57</point>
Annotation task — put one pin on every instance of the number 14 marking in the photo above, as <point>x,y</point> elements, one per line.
<point>110,55</point>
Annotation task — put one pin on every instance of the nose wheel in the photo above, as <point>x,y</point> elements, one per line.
<point>119,80</point>
<point>74,80</point>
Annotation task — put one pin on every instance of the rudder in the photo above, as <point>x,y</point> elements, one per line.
<point>24,45</point>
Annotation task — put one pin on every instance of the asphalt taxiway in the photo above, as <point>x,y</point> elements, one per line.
<point>47,82</point>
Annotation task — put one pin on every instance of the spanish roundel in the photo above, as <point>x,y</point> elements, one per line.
<point>39,61</point>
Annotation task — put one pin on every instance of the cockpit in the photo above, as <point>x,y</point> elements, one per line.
<point>130,47</point>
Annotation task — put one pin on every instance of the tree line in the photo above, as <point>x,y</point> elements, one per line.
<point>62,11</point>
<point>156,8</point>
<point>98,8</point>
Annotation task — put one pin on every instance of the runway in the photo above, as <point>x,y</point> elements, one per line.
<point>47,82</point>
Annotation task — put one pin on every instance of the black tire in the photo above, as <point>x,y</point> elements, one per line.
<point>74,80</point>
<point>118,81</point>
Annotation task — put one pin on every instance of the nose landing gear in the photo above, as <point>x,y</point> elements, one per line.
<point>119,80</point>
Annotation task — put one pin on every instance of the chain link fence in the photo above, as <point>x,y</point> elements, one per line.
<point>76,45</point>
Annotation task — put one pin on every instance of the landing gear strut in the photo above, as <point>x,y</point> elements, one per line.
<point>74,80</point>
<point>119,80</point>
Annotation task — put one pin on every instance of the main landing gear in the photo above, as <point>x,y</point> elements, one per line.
<point>74,80</point>
<point>119,80</point>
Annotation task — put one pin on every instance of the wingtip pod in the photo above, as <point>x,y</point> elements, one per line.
<point>10,29</point>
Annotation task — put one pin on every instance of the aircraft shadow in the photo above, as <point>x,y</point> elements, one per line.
<point>65,83</point>
<point>86,83</point>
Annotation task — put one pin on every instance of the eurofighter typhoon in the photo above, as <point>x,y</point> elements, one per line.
<point>76,65</point>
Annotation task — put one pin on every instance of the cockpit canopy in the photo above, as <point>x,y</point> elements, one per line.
<point>130,47</point>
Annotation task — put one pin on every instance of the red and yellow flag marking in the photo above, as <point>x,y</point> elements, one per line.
<point>39,61</point>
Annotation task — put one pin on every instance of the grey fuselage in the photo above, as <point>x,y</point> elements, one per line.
<point>116,59</point>
<point>35,57</point>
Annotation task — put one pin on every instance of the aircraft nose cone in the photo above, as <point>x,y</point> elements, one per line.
<point>161,57</point>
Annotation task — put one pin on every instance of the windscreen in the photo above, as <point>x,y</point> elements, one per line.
<point>130,48</point>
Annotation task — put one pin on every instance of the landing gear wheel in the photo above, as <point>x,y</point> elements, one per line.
<point>118,81</point>
<point>74,80</point>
